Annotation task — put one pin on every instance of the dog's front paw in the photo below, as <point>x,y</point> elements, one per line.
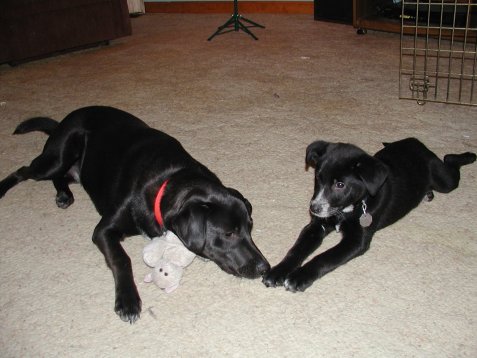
<point>276,276</point>
<point>429,196</point>
<point>298,280</point>
<point>128,306</point>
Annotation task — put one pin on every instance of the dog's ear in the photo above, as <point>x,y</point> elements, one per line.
<point>314,151</point>
<point>237,194</point>
<point>372,172</point>
<point>189,225</point>
<point>248,206</point>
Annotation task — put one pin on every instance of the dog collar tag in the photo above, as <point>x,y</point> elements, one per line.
<point>366,218</point>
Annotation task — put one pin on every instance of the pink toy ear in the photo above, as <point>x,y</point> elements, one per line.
<point>148,278</point>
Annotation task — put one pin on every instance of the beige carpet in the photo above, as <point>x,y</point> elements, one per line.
<point>247,109</point>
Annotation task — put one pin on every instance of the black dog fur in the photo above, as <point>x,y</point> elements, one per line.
<point>349,182</point>
<point>121,163</point>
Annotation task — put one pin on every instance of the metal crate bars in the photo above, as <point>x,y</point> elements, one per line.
<point>438,58</point>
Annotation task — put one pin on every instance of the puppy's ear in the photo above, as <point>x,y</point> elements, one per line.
<point>190,226</point>
<point>237,194</point>
<point>314,151</point>
<point>372,172</point>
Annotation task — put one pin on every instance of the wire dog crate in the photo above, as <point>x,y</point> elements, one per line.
<point>438,61</point>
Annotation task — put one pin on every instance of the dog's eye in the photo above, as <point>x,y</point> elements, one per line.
<point>230,233</point>
<point>339,185</point>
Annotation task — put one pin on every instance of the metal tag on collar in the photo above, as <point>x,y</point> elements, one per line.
<point>366,218</point>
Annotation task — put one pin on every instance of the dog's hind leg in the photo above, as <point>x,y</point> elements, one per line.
<point>58,157</point>
<point>13,179</point>
<point>459,160</point>
<point>41,168</point>
<point>64,196</point>
<point>44,167</point>
<point>445,175</point>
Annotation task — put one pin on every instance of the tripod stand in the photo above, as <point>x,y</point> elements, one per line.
<point>236,25</point>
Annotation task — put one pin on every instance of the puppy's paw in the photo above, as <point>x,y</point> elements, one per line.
<point>298,281</point>
<point>276,276</point>
<point>128,306</point>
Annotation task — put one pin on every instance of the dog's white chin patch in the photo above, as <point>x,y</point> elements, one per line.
<point>348,209</point>
<point>321,214</point>
<point>320,202</point>
<point>326,211</point>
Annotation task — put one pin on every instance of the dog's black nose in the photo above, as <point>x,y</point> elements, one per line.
<point>254,269</point>
<point>263,267</point>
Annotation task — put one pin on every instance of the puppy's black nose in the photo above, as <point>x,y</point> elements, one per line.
<point>315,209</point>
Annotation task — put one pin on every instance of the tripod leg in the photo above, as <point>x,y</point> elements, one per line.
<point>235,23</point>
<point>244,28</point>
<point>220,28</point>
<point>251,22</point>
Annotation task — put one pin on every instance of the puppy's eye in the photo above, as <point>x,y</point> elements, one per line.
<point>339,185</point>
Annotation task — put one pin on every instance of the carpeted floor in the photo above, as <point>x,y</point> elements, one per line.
<point>247,109</point>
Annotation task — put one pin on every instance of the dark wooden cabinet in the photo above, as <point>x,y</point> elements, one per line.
<point>419,16</point>
<point>334,10</point>
<point>376,15</point>
<point>31,29</point>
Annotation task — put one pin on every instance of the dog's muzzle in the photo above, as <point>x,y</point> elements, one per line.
<point>319,211</point>
<point>251,270</point>
<point>254,269</point>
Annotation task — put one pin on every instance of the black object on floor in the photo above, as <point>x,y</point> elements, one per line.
<point>234,24</point>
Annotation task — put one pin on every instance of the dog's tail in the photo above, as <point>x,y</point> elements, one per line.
<point>42,124</point>
<point>458,160</point>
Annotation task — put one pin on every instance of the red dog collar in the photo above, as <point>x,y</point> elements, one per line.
<point>157,203</point>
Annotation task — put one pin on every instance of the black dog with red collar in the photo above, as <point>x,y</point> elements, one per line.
<point>124,165</point>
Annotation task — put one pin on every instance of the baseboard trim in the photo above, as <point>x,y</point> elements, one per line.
<point>219,7</point>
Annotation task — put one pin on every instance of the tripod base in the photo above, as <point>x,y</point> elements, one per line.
<point>234,24</point>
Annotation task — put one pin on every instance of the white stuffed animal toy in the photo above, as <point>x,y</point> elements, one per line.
<point>167,255</point>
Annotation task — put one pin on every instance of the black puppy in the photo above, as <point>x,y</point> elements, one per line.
<point>141,181</point>
<point>358,194</point>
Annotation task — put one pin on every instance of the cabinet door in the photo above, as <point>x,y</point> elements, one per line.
<point>334,10</point>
